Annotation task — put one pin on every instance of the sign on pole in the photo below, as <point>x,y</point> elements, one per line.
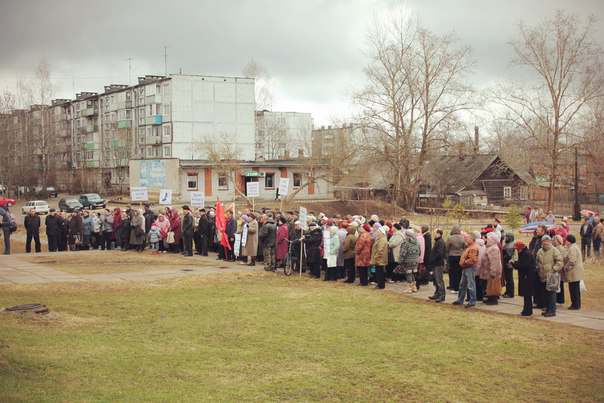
<point>303,216</point>
<point>253,189</point>
<point>139,194</point>
<point>197,200</point>
<point>165,196</point>
<point>283,186</point>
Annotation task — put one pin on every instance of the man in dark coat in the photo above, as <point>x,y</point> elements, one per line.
<point>6,228</point>
<point>53,230</point>
<point>76,231</point>
<point>150,218</point>
<point>32,228</point>
<point>526,267</point>
<point>63,224</point>
<point>436,264</point>
<point>187,231</point>
<point>586,232</point>
<point>312,243</point>
<point>231,230</point>
<point>534,246</point>
<point>203,233</point>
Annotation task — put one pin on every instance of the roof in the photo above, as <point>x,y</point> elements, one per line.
<point>452,173</point>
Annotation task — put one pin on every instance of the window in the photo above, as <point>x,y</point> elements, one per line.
<point>167,151</point>
<point>223,183</point>
<point>507,192</point>
<point>524,192</point>
<point>191,181</point>
<point>269,180</point>
<point>297,180</point>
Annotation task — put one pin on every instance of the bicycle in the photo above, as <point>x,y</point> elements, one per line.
<point>290,262</point>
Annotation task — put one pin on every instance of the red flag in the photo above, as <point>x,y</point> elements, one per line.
<point>221,225</point>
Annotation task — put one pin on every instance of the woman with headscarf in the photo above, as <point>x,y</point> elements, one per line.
<point>379,256</point>
<point>116,222</point>
<point>508,270</point>
<point>175,227</point>
<point>281,242</point>
<point>493,265</point>
<point>137,230</point>
<point>408,258</point>
<point>558,242</point>
<point>362,253</point>
<point>482,272</point>
<point>164,227</point>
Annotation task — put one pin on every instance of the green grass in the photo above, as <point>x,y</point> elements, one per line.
<point>260,337</point>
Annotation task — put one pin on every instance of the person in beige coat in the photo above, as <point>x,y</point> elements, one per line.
<point>379,256</point>
<point>549,260</point>
<point>573,268</point>
<point>251,244</point>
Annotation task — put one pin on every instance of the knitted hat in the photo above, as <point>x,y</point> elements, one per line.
<point>366,227</point>
<point>545,238</point>
<point>519,245</point>
<point>410,233</point>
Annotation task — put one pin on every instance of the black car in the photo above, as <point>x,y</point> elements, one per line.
<point>92,201</point>
<point>70,204</point>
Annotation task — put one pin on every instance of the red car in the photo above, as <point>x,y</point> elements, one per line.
<point>6,202</point>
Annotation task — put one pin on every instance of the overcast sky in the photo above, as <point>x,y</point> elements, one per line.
<point>315,50</point>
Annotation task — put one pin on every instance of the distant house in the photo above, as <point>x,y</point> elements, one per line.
<point>474,180</point>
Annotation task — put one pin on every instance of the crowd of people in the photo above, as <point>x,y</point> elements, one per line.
<point>479,263</point>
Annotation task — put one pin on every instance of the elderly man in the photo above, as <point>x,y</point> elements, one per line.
<point>468,261</point>
<point>32,227</point>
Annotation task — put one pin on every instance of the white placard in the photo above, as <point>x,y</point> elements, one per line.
<point>283,186</point>
<point>165,196</point>
<point>253,189</point>
<point>244,236</point>
<point>139,194</point>
<point>326,243</point>
<point>197,200</point>
<point>237,245</point>
<point>303,217</point>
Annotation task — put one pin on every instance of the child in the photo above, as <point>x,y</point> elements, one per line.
<point>154,238</point>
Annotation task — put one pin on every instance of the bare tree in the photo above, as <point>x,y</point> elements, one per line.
<point>415,86</point>
<point>562,55</point>
<point>263,84</point>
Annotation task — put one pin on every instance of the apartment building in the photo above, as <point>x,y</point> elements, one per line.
<point>283,135</point>
<point>85,144</point>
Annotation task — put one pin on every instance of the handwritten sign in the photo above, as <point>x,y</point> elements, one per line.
<point>197,200</point>
<point>237,245</point>
<point>139,194</point>
<point>283,186</point>
<point>165,196</point>
<point>253,189</point>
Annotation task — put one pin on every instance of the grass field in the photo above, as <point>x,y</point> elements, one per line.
<point>260,337</point>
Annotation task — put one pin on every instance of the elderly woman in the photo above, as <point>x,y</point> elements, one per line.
<point>493,266</point>
<point>250,249</point>
<point>379,256</point>
<point>573,269</point>
<point>549,262</point>
<point>137,230</point>
<point>558,242</point>
<point>408,257</point>
<point>362,253</point>
<point>164,227</point>
<point>525,264</point>
<point>455,247</point>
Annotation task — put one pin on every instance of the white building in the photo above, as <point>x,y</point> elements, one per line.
<point>283,135</point>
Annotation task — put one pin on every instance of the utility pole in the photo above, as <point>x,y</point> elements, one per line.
<point>166,61</point>
<point>577,206</point>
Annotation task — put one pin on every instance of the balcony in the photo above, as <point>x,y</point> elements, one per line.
<point>124,124</point>
<point>153,99</point>
<point>89,112</point>
<point>91,164</point>
<point>89,129</point>
<point>89,146</point>
<point>153,120</point>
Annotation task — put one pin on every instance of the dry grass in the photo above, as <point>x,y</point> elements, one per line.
<point>244,337</point>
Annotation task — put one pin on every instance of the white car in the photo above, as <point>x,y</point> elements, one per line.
<point>40,206</point>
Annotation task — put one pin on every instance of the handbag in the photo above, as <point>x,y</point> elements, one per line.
<point>552,281</point>
<point>170,238</point>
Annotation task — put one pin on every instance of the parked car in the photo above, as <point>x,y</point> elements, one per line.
<point>40,206</point>
<point>6,202</point>
<point>92,201</point>
<point>70,204</point>
<point>51,191</point>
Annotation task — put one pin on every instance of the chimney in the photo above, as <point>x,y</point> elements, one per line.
<point>476,140</point>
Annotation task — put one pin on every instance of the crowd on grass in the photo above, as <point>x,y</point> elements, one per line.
<point>480,264</point>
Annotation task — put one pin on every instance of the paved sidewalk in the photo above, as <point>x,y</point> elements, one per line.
<point>14,270</point>
<point>513,306</point>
